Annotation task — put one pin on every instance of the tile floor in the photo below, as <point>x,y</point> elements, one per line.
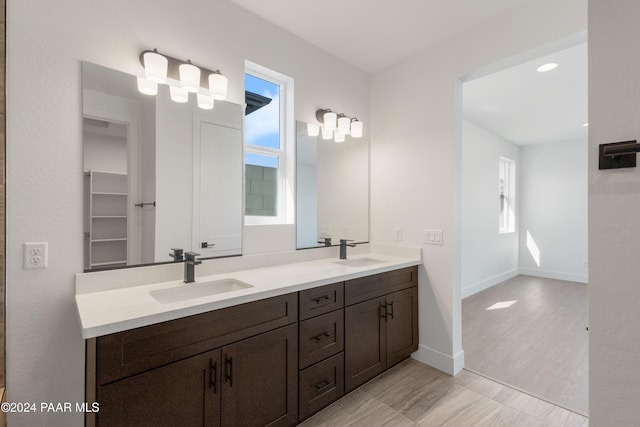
<point>414,394</point>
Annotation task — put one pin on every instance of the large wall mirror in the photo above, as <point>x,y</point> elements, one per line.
<point>158,174</point>
<point>332,185</point>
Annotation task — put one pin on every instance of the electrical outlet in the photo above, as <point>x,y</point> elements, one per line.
<point>36,255</point>
<point>398,233</point>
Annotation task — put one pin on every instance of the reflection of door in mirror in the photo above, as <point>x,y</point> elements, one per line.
<point>217,212</point>
<point>111,142</point>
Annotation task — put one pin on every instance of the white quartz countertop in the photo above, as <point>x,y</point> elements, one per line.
<point>122,307</point>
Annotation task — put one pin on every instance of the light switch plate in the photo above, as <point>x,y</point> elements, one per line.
<point>433,237</point>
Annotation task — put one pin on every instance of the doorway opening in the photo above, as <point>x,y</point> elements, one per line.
<point>524,242</point>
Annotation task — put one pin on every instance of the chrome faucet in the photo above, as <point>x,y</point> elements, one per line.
<point>343,247</point>
<point>190,267</point>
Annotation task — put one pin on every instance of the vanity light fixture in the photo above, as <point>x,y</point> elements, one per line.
<point>183,78</point>
<point>338,125</point>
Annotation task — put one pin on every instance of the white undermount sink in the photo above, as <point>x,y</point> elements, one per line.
<point>189,291</point>
<point>359,262</point>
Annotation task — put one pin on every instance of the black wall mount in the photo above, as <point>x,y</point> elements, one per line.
<point>617,155</point>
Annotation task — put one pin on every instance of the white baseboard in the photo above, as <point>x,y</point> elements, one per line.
<point>487,283</point>
<point>442,362</point>
<point>558,275</point>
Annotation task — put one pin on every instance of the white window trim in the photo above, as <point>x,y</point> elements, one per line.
<point>510,193</point>
<point>286,153</point>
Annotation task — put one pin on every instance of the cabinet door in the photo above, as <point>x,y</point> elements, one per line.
<point>260,380</point>
<point>402,325</point>
<point>182,393</point>
<point>365,342</point>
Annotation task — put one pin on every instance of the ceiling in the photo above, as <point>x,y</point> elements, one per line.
<point>527,107</point>
<point>518,104</point>
<point>374,34</point>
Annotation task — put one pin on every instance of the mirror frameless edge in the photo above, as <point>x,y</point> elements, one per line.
<point>332,189</point>
<point>130,160</point>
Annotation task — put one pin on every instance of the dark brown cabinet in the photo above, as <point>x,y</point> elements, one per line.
<point>230,367</point>
<point>380,331</point>
<point>259,381</point>
<point>321,338</point>
<point>181,393</point>
<point>272,362</point>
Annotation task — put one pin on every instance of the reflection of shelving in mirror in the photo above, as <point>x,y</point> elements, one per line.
<point>106,222</point>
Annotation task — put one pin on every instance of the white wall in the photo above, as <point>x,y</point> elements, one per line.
<point>553,210</point>
<point>487,256</point>
<point>46,41</point>
<point>614,204</point>
<point>416,133</point>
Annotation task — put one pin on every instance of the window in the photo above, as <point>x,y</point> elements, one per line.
<point>507,195</point>
<point>268,158</point>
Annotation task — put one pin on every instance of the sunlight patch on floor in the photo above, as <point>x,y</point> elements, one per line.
<point>502,304</point>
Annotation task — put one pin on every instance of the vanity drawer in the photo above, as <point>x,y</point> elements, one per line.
<point>321,337</point>
<point>130,352</point>
<point>320,385</point>
<point>317,301</point>
<point>369,287</point>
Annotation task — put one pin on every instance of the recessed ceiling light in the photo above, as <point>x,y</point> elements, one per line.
<point>585,124</point>
<point>547,67</point>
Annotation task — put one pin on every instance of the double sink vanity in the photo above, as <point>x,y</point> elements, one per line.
<point>250,340</point>
<point>262,345</point>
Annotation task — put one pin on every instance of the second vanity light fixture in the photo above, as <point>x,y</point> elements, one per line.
<point>336,126</point>
<point>182,77</point>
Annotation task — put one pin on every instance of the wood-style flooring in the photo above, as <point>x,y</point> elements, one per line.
<point>414,394</point>
<point>539,344</point>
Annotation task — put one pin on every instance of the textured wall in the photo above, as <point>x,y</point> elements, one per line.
<point>614,205</point>
<point>46,43</point>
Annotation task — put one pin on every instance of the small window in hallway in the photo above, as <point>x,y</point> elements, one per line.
<point>507,195</point>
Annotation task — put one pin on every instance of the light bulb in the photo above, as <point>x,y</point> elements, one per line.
<point>155,67</point>
<point>356,128</point>
<point>330,119</point>
<point>339,137</point>
<point>344,124</point>
<point>327,133</point>
<point>147,87</point>
<point>312,129</point>
<point>189,77</point>
<point>218,85</point>
<point>178,94</point>
<point>205,101</point>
